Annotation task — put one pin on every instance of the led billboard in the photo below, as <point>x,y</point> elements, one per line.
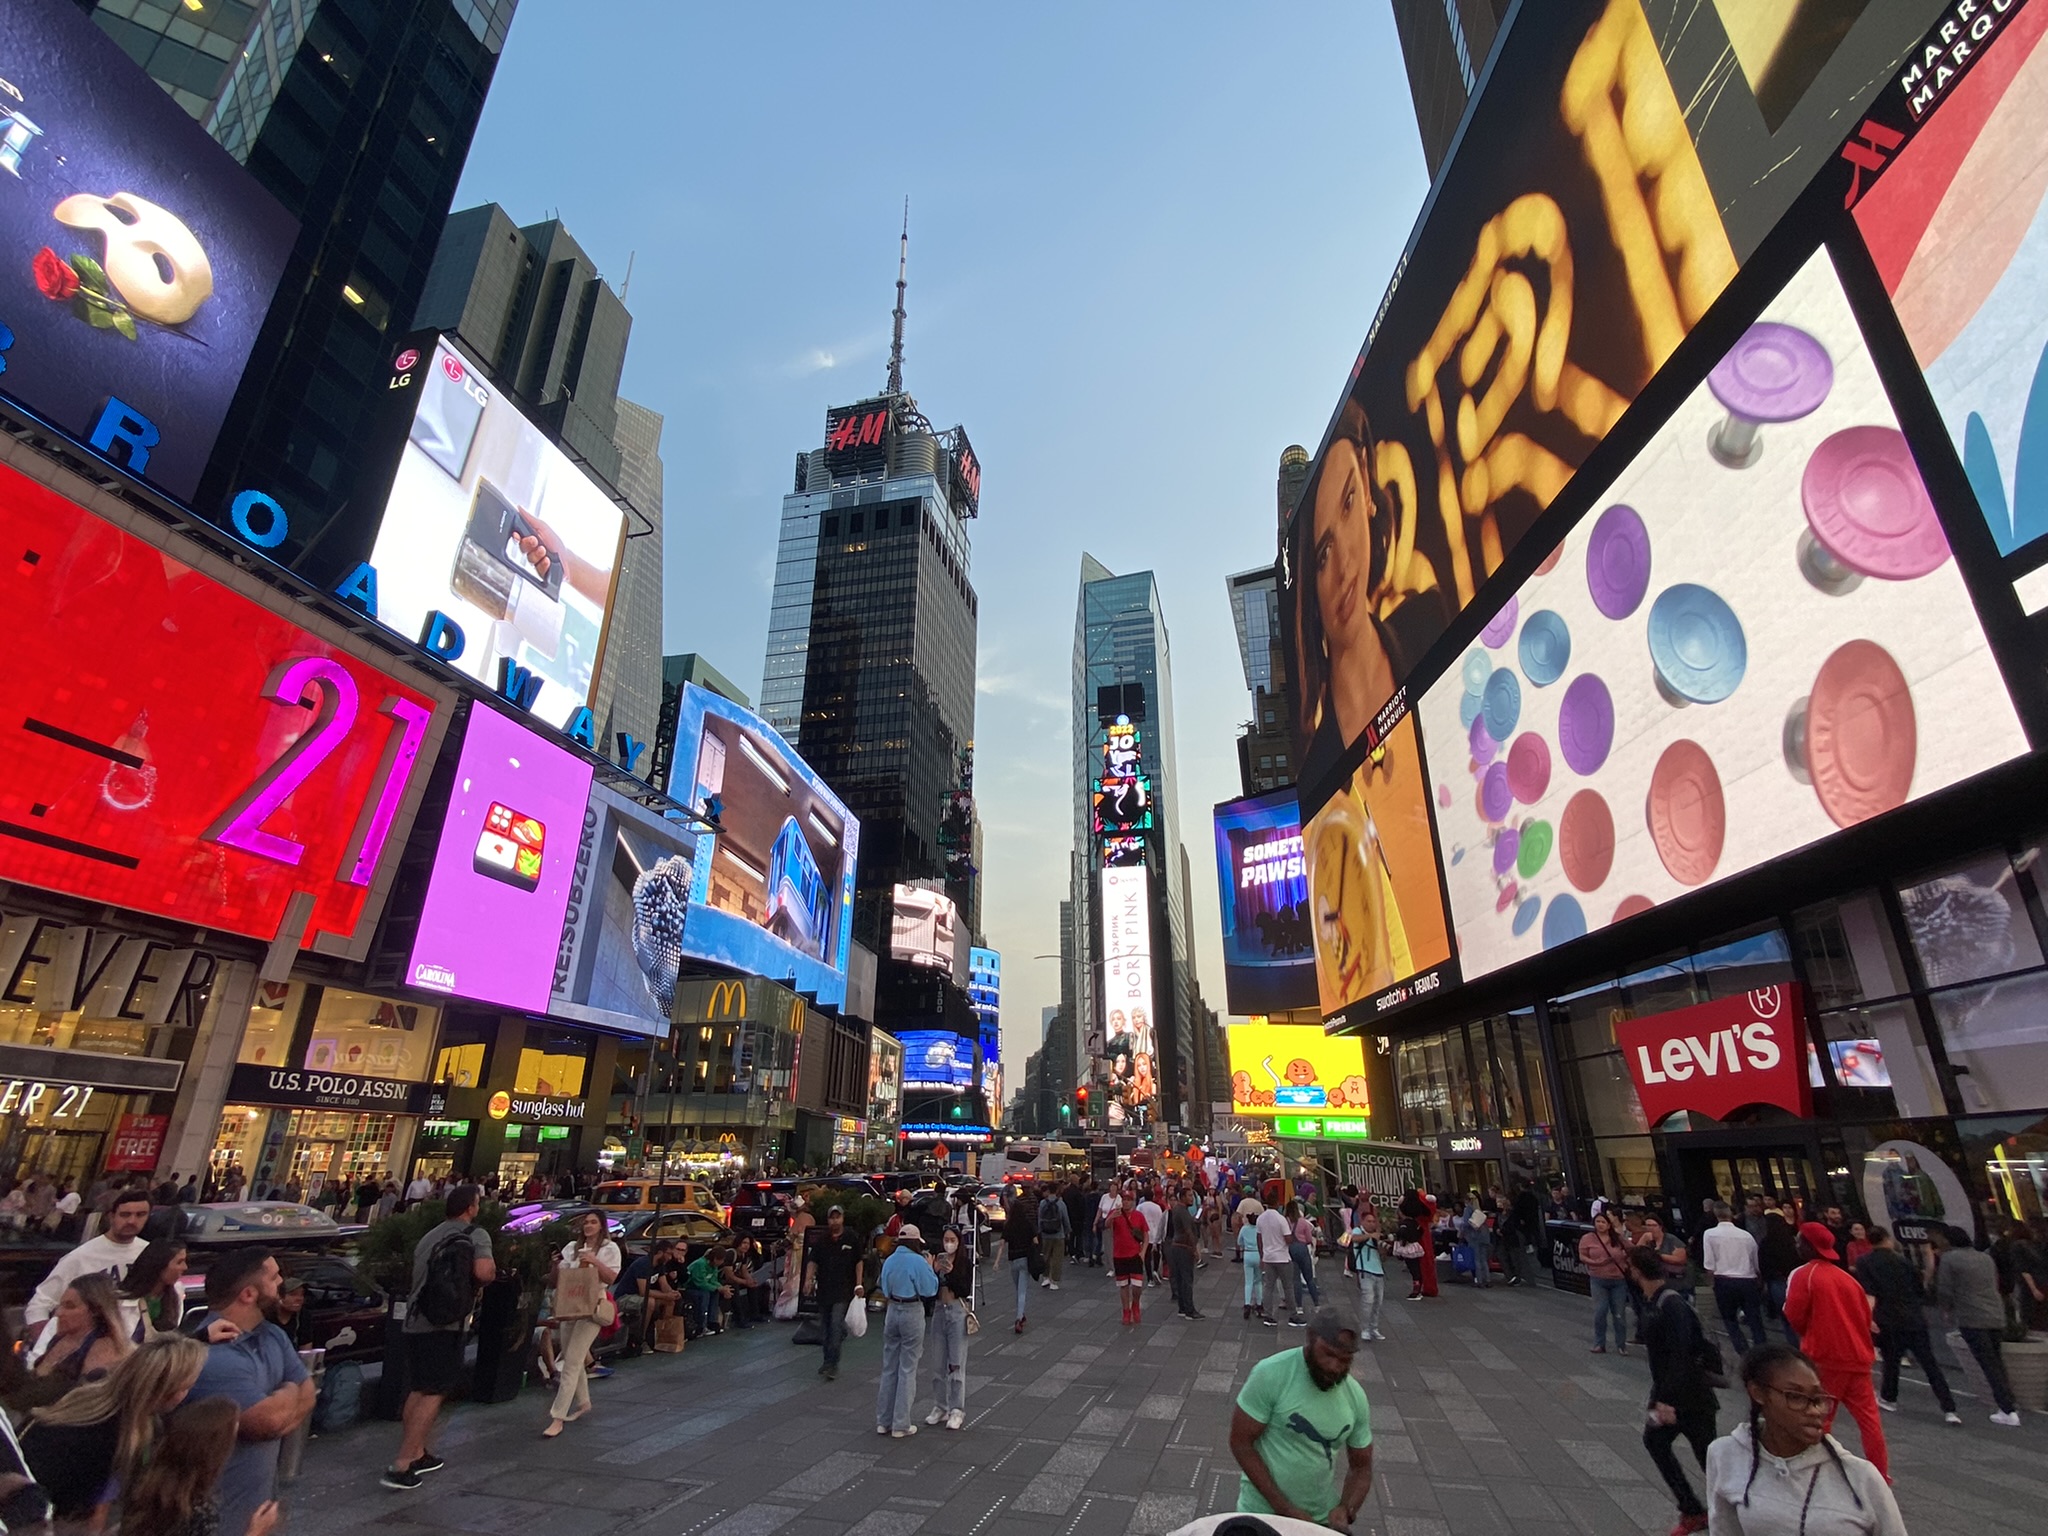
<point>936,1058</point>
<point>1269,963</point>
<point>921,924</point>
<point>1957,224</point>
<point>1758,637</point>
<point>1621,159</point>
<point>626,930</point>
<point>137,259</point>
<point>1130,1031</point>
<point>1286,1068</point>
<point>1376,905</point>
<point>985,994</point>
<point>772,889</point>
<point>171,745</point>
<point>491,525</point>
<point>491,923</point>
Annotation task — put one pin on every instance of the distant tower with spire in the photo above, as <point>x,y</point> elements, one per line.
<point>895,385</point>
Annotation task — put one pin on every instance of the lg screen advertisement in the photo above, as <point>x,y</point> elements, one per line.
<point>490,524</point>
<point>772,888</point>
<point>1269,963</point>
<point>491,923</point>
<point>1957,224</point>
<point>624,934</point>
<point>936,1058</point>
<point>137,259</point>
<point>1754,638</point>
<point>170,745</point>
<point>1621,160</point>
<point>1130,1029</point>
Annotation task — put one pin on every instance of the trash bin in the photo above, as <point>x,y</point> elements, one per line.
<point>293,1451</point>
<point>504,1342</point>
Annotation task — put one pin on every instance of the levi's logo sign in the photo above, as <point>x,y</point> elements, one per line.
<point>1719,1056</point>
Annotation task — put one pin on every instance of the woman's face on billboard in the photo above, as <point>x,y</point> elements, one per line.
<point>1343,572</point>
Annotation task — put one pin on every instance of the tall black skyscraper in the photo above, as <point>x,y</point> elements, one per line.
<point>357,115</point>
<point>1444,44</point>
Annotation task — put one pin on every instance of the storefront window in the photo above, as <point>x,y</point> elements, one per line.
<point>2013,1153</point>
<point>1742,964</point>
<point>1846,950</point>
<point>553,1062</point>
<point>1660,988</point>
<point>1879,1054</point>
<point>1528,1046</point>
<point>1995,1037</point>
<point>374,1036</point>
<point>267,1041</point>
<point>1970,923</point>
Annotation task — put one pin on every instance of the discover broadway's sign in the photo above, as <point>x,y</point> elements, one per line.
<point>299,1089</point>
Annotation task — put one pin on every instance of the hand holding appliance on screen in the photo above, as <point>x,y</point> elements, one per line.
<point>503,542</point>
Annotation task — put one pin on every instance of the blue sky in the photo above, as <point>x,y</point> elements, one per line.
<point>1146,240</point>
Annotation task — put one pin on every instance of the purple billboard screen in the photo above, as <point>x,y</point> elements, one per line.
<point>492,921</point>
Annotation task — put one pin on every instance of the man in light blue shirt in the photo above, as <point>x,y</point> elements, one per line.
<point>908,1282</point>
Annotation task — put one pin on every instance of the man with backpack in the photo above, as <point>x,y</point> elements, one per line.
<point>450,1267</point>
<point>1055,1226</point>
<point>1685,1367</point>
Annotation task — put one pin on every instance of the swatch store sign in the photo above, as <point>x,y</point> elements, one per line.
<point>1721,1056</point>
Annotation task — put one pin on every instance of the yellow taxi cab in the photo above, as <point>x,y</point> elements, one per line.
<point>620,1196</point>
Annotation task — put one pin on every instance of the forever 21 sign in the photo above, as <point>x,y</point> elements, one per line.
<point>289,1086</point>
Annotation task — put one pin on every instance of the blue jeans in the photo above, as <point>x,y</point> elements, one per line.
<point>1304,1273</point>
<point>902,1346</point>
<point>945,1345</point>
<point>1608,1301</point>
<point>1482,1260</point>
<point>1372,1292</point>
<point>1020,1271</point>
<point>832,1318</point>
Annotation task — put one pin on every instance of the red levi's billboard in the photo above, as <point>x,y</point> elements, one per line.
<point>170,745</point>
<point>1715,1058</point>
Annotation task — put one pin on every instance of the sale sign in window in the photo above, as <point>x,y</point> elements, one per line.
<point>168,745</point>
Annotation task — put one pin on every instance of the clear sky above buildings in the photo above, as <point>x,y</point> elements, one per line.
<point>1146,241</point>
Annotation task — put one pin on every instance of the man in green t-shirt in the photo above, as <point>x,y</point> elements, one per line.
<point>1298,1409</point>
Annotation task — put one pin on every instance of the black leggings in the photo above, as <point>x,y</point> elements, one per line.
<point>1697,1427</point>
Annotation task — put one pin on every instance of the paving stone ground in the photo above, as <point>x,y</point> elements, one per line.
<point>1489,1417</point>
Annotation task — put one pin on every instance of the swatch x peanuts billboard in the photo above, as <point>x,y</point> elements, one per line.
<point>1622,159</point>
<point>1718,1057</point>
<point>1286,1068</point>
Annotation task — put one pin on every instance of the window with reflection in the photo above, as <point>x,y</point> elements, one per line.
<point>1970,923</point>
<point>1846,950</point>
<point>1995,1036</point>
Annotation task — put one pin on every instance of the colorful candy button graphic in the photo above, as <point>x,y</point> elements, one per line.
<point>1525,915</point>
<point>1776,373</point>
<point>1618,562</point>
<point>1688,819</point>
<point>1529,767</point>
<point>1546,648</point>
<point>1585,840</point>
<point>1496,633</point>
<point>1534,852</point>
<point>1858,732</point>
<point>1585,724</point>
<point>1495,794</point>
<point>1632,906</point>
<point>1563,921</point>
<point>1504,849</point>
<point>1867,512</point>
<point>1502,706</point>
<point>1696,645</point>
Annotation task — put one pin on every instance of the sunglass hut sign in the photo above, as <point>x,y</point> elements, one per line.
<point>1720,1056</point>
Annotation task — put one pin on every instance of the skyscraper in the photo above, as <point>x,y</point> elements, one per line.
<point>357,116</point>
<point>1444,44</point>
<point>629,688</point>
<point>1130,875</point>
<point>1264,747</point>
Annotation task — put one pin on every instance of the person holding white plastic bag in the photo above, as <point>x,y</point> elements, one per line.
<point>907,1280</point>
<point>834,1267</point>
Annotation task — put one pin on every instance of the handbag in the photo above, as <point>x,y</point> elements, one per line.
<point>973,1325</point>
<point>577,1293</point>
<point>670,1335</point>
<point>1407,1250</point>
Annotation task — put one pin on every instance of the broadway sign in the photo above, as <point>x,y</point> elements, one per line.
<point>1720,1056</point>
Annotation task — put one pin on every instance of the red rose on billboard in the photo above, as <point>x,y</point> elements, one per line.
<point>54,275</point>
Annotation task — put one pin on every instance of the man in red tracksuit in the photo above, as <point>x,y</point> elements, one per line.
<point>1830,1311</point>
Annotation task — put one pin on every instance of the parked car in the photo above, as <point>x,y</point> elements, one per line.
<point>272,1222</point>
<point>532,1218</point>
<point>693,1229</point>
<point>345,1311</point>
<point>758,1209</point>
<point>650,1194</point>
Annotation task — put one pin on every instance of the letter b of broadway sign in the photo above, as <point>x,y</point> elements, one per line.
<point>1720,1056</point>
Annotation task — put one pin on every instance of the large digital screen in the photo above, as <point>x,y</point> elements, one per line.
<point>1622,158</point>
<point>921,924</point>
<point>936,1058</point>
<point>1957,223</point>
<point>171,745</point>
<point>1376,906</point>
<point>1280,1069</point>
<point>491,524</point>
<point>491,924</point>
<point>1130,1023</point>
<point>137,259</point>
<point>626,929</point>
<point>1269,963</point>
<point>985,994</point>
<point>1755,638</point>
<point>772,891</point>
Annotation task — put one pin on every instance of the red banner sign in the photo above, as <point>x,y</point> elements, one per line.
<point>168,745</point>
<point>1720,1056</point>
<point>138,1143</point>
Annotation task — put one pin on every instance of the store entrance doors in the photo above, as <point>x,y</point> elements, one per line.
<point>1718,1166</point>
<point>1465,1174</point>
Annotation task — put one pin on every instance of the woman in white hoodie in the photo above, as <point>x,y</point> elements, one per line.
<point>1782,1473</point>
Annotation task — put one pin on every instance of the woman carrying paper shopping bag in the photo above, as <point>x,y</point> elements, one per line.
<point>583,1271</point>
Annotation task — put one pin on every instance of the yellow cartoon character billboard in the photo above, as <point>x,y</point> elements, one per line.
<point>1283,1068</point>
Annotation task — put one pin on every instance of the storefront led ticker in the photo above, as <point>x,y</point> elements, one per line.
<point>1681,690</point>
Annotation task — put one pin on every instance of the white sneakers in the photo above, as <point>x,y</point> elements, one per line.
<point>1053,1286</point>
<point>1951,1418</point>
<point>2006,1420</point>
<point>935,1415</point>
<point>1887,1405</point>
<point>956,1419</point>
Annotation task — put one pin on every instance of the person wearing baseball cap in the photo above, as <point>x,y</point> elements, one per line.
<point>1827,1306</point>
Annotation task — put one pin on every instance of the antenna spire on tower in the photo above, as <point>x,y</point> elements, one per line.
<point>902,274</point>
